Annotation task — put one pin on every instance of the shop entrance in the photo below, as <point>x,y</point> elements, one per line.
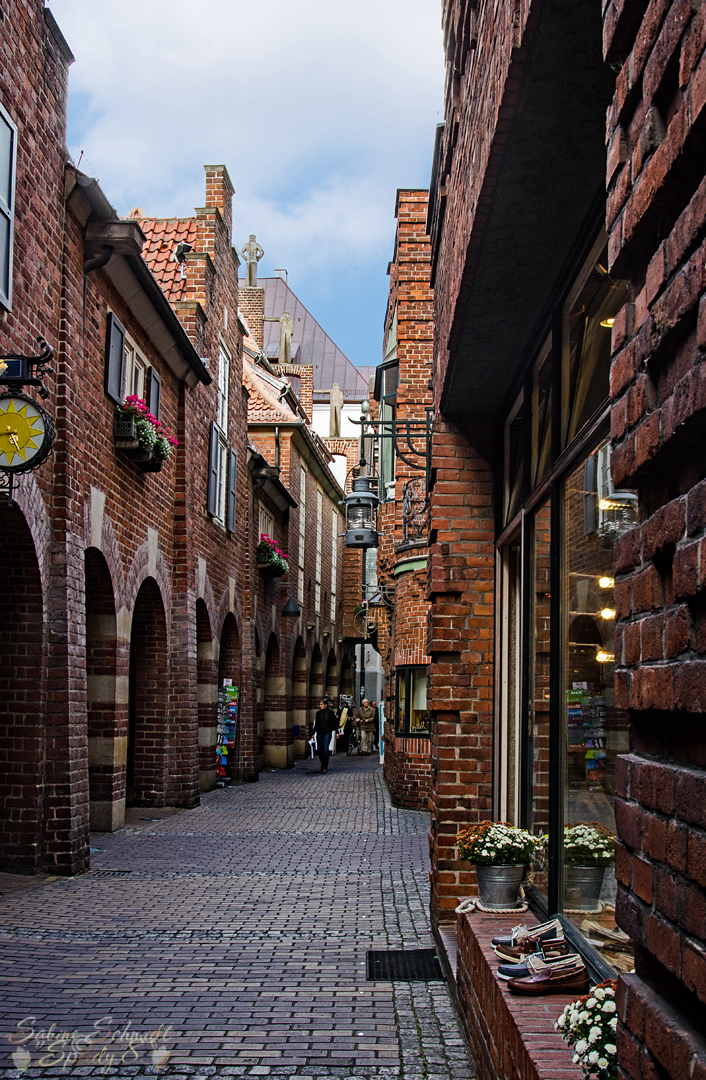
<point>147,736</point>
<point>107,731</point>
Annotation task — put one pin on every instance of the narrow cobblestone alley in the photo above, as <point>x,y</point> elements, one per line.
<point>241,927</point>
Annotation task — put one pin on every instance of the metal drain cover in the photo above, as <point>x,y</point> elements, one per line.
<point>405,965</point>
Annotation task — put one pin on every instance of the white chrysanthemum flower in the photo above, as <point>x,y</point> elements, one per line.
<point>581,1046</point>
<point>613,1024</point>
<point>608,1007</point>
<point>599,993</point>
<point>576,1059</point>
<point>603,1063</point>
<point>611,1048</point>
<point>594,1034</point>
<point>591,1003</point>
<point>584,1016</point>
<point>593,1057</point>
<point>610,991</point>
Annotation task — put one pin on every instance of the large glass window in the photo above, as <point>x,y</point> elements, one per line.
<point>413,717</point>
<point>540,684</point>
<point>388,406</point>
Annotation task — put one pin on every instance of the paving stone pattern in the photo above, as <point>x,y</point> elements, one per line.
<point>242,927</point>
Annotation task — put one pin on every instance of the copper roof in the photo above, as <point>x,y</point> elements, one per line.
<point>315,346</point>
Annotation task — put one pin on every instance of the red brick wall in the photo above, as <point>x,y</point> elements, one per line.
<point>656,217</point>
<point>460,642</point>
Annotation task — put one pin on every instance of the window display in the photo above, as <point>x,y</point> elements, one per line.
<point>413,717</point>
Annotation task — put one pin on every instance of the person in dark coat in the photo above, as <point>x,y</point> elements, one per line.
<point>376,733</point>
<point>324,724</point>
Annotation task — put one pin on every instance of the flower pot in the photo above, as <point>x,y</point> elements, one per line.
<point>582,887</point>
<point>499,886</point>
<point>124,429</point>
<point>268,568</point>
<point>153,465</point>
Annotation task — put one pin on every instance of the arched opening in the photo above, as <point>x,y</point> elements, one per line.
<point>332,678</point>
<point>278,748</point>
<point>300,729</point>
<point>346,684</point>
<point>149,684</point>
<point>229,678</point>
<point>22,724</point>
<point>207,697</point>
<point>316,682</point>
<point>106,717</point>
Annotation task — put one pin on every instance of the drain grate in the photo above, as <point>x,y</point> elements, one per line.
<point>108,873</point>
<point>406,965</point>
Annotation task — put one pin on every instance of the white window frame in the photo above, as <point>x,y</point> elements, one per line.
<point>135,368</point>
<point>223,387</point>
<point>7,209</point>
<point>266,522</point>
<point>222,485</point>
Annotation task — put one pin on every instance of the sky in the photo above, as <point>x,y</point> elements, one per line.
<point>319,109</point>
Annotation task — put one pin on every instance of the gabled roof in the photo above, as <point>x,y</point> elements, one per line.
<point>162,236</point>
<point>315,346</point>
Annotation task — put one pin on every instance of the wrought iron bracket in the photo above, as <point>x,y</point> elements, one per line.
<point>17,370</point>
<point>411,440</point>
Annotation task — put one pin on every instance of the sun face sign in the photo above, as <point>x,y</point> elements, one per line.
<point>26,433</point>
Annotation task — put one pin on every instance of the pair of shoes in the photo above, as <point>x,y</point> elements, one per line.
<point>522,930</point>
<point>563,978</point>
<point>535,964</point>
<point>548,937</point>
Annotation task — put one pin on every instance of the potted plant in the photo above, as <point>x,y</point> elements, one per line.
<point>501,854</point>
<point>141,436</point>
<point>588,849</point>
<point>589,1025</point>
<point>270,559</point>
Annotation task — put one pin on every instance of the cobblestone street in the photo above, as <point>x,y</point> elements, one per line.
<point>240,928</point>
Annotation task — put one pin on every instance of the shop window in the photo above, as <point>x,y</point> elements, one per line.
<point>595,731</point>
<point>542,414</point>
<point>510,696</point>
<point>540,663</point>
<point>514,459</point>
<point>587,343</point>
<point>8,163</point>
<point>413,717</point>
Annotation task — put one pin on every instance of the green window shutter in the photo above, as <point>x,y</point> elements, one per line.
<point>114,354</point>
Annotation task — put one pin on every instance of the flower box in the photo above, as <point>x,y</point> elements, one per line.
<point>124,432</point>
<point>270,560</point>
<point>140,436</point>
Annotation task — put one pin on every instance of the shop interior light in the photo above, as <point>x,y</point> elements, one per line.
<point>607,323</point>
<point>608,613</point>
<point>604,657</point>
<point>606,582</point>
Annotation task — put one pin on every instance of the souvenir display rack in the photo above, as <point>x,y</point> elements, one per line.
<point>225,734</point>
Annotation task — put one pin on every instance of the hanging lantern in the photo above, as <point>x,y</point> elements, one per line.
<point>361,515</point>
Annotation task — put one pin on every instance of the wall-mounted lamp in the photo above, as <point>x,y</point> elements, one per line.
<point>290,610</point>
<point>606,582</point>
<point>605,657</point>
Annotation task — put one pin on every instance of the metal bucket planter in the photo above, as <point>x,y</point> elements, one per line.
<point>499,886</point>
<point>582,887</point>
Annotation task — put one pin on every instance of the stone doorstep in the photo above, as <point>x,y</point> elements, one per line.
<point>527,1024</point>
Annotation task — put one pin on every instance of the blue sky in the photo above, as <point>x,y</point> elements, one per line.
<point>319,110</point>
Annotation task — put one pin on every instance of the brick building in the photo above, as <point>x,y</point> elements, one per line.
<point>564,585</point>
<point>401,392</point>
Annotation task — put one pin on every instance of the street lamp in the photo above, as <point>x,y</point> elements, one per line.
<point>361,515</point>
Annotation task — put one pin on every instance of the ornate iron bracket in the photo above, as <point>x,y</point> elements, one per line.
<point>411,440</point>
<point>17,370</point>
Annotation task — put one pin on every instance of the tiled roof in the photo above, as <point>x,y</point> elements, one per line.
<point>315,346</point>
<point>263,404</point>
<point>163,235</point>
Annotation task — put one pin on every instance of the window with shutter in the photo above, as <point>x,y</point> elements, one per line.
<point>114,359</point>
<point>153,392</point>
<point>213,468</point>
<point>232,478</point>
<point>8,163</point>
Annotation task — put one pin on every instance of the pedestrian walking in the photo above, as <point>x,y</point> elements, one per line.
<point>342,722</point>
<point>366,719</point>
<point>324,724</point>
<point>376,721</point>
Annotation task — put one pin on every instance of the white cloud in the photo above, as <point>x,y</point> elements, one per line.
<point>319,109</point>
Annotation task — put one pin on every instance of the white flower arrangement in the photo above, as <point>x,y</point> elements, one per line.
<point>588,845</point>
<point>496,844</point>
<point>589,1026</point>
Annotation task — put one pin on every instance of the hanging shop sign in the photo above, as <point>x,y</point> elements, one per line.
<point>27,432</point>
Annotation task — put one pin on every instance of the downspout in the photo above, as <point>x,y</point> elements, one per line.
<point>277,449</point>
<point>88,267</point>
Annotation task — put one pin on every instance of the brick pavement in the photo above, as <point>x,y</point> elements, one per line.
<point>242,927</point>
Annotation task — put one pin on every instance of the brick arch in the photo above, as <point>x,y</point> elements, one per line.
<point>331,680</point>
<point>316,681</point>
<point>278,748</point>
<point>110,550</point>
<point>147,753</point>
<point>299,711</point>
<point>22,695</point>
<point>28,498</point>
<point>106,711</point>
<point>207,696</point>
<point>224,610</point>
<point>141,571</point>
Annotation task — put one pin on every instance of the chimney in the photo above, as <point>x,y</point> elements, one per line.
<point>219,192</point>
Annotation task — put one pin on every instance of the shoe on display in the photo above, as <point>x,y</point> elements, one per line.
<point>550,946</point>
<point>522,930</point>
<point>566,979</point>
<point>534,964</point>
